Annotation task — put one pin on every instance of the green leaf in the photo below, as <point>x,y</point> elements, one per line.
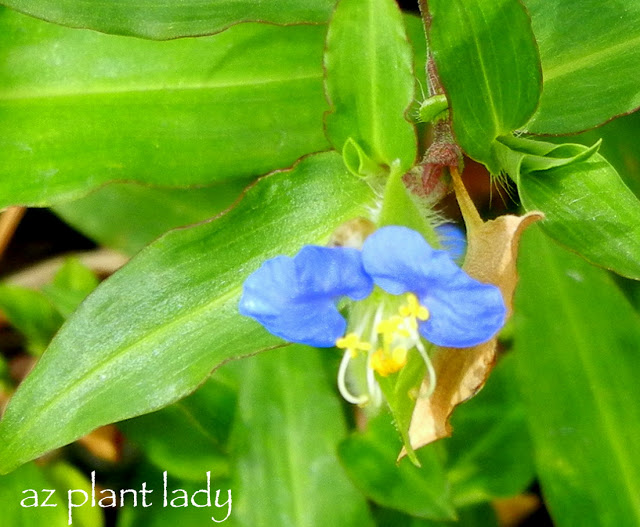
<point>370,460</point>
<point>153,331</point>
<point>132,215</point>
<point>17,487</point>
<point>490,449</point>
<point>488,63</point>
<point>576,343</point>
<point>32,314</point>
<point>289,425</point>
<point>418,40</point>
<point>70,286</point>
<point>167,20</point>
<point>588,208</point>
<point>79,108</point>
<point>190,434</point>
<point>368,57</point>
<point>590,62</point>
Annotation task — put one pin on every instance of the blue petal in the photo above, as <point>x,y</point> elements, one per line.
<point>400,260</point>
<point>463,312</point>
<point>453,240</point>
<point>331,272</point>
<point>294,298</point>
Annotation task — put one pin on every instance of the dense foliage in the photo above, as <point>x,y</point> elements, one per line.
<point>276,130</point>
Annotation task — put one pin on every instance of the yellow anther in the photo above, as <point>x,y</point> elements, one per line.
<point>399,356</point>
<point>392,326</point>
<point>389,325</point>
<point>386,364</point>
<point>352,342</point>
<point>379,363</point>
<point>413,310</point>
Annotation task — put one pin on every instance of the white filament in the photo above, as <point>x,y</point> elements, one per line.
<point>425,357</point>
<point>342,384</point>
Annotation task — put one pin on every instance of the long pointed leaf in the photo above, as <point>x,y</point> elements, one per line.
<point>152,332</point>
<point>370,81</point>
<point>488,63</point>
<point>165,20</point>
<point>577,344</point>
<point>590,52</point>
<point>79,109</point>
<point>288,429</point>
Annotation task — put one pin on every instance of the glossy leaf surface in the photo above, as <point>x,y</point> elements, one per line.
<point>288,428</point>
<point>488,62</point>
<point>577,350</point>
<point>79,109</point>
<point>165,20</point>
<point>144,343</point>
<point>590,53</point>
<point>367,41</point>
<point>590,210</point>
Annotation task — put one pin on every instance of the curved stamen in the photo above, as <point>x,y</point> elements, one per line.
<point>374,389</point>
<point>430,371</point>
<point>372,384</point>
<point>377,318</point>
<point>342,385</point>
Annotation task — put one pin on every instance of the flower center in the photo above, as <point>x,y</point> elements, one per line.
<point>390,340</point>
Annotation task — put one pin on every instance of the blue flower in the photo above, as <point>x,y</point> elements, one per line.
<point>420,293</point>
